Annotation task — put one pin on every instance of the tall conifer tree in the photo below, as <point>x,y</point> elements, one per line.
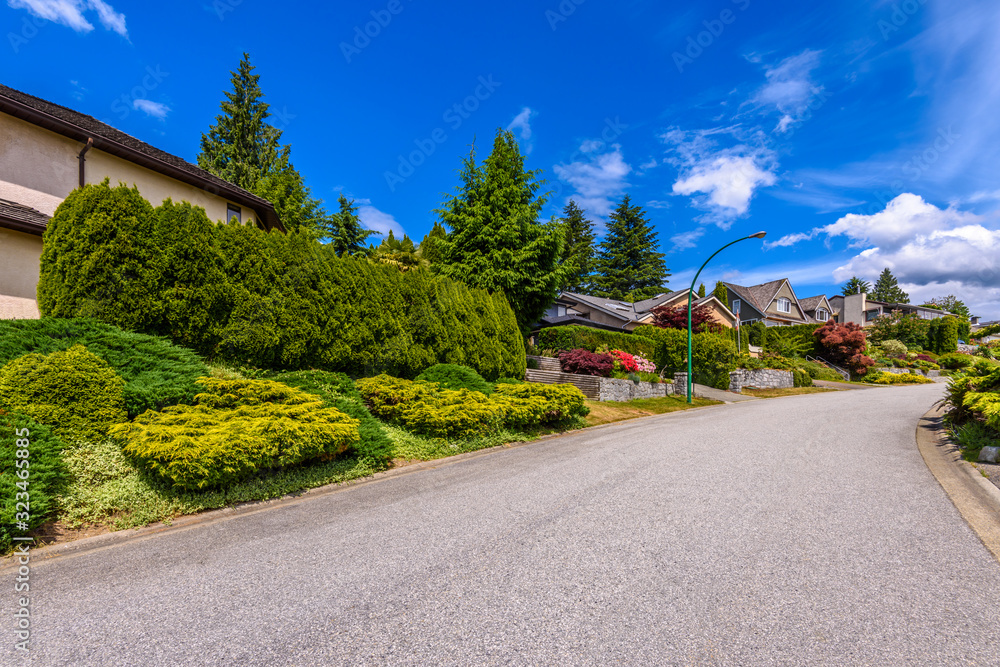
<point>628,266</point>
<point>245,149</point>
<point>496,241</point>
<point>578,248</point>
<point>344,230</point>
<point>721,293</point>
<point>887,289</point>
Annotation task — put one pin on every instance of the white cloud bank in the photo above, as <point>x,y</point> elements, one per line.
<point>598,177</point>
<point>70,13</point>
<point>150,108</point>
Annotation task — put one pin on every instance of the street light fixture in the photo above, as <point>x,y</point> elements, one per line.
<point>690,376</point>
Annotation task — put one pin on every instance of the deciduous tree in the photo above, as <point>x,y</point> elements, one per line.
<point>844,345</point>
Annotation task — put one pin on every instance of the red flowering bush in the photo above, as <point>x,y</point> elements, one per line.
<point>624,361</point>
<point>844,345</point>
<point>666,317</point>
<point>584,362</point>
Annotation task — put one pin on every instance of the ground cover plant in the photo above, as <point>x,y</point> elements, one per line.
<point>453,376</point>
<point>31,472</point>
<point>156,372</point>
<point>882,377</point>
<point>235,429</point>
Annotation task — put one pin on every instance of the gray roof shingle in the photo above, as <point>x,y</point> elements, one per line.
<point>22,218</point>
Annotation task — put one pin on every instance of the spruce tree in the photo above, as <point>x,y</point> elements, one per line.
<point>628,266</point>
<point>496,241</point>
<point>245,150</point>
<point>856,286</point>
<point>721,293</point>
<point>344,230</point>
<point>578,249</point>
<point>887,289</point>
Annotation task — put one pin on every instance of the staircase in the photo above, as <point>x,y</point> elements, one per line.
<point>549,371</point>
<point>837,369</point>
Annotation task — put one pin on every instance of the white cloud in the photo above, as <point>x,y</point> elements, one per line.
<point>790,89</point>
<point>656,203</point>
<point>931,251</point>
<point>70,13</point>
<point>686,240</point>
<point>522,124</point>
<point>150,108</point>
<point>790,240</point>
<point>728,183</point>
<point>597,179</point>
<point>379,221</point>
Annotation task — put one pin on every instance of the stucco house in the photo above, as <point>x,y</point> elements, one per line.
<point>581,309</point>
<point>47,151</point>
<point>773,303</point>
<point>858,308</point>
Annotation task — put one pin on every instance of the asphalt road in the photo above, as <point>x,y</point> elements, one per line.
<point>796,531</point>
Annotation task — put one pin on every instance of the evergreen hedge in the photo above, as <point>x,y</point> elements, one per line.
<point>714,355</point>
<point>241,295</point>
<point>576,337</point>
<point>452,376</point>
<point>156,373</point>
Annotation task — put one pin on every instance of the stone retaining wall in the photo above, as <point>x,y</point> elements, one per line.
<point>613,389</point>
<point>765,378</point>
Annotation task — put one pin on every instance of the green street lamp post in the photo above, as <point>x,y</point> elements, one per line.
<point>690,377</point>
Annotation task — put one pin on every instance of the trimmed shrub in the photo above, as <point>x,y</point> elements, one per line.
<point>801,378</point>
<point>23,439</point>
<point>942,335</point>
<point>583,362</point>
<point>156,373</point>
<point>422,407</point>
<point>955,361</point>
<point>338,391</point>
<point>556,402</point>
<point>451,376</point>
<point>586,338</point>
<point>881,377</point>
<point>236,429</point>
<point>74,391</point>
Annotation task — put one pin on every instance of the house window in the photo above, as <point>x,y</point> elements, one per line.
<point>822,315</point>
<point>736,306</point>
<point>784,305</point>
<point>233,212</point>
<point>561,311</point>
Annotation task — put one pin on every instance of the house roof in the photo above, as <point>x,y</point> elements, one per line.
<point>566,320</point>
<point>22,218</point>
<point>81,127</point>
<point>812,303</point>
<point>627,312</point>
<point>746,296</point>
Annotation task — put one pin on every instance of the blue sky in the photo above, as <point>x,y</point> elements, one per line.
<point>858,134</point>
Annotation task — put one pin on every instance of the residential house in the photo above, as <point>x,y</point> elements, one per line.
<point>858,308</point>
<point>600,313</point>
<point>773,303</point>
<point>818,308</point>
<point>978,324</point>
<point>47,151</point>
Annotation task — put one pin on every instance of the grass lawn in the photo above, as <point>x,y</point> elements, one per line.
<point>790,391</point>
<point>608,412</point>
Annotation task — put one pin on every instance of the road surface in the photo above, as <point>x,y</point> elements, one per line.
<point>798,531</point>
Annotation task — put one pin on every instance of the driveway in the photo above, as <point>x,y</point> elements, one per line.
<point>800,531</point>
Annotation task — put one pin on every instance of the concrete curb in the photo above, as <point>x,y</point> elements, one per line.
<point>84,545</point>
<point>975,497</point>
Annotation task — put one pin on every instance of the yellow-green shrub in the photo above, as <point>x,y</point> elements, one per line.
<point>74,391</point>
<point>531,403</point>
<point>235,429</point>
<point>896,378</point>
<point>423,407</point>
<point>987,404</point>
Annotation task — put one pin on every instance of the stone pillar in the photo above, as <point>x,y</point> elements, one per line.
<point>681,383</point>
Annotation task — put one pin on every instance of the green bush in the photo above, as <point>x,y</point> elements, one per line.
<point>942,335</point>
<point>74,391</point>
<point>23,439</point>
<point>338,391</point>
<point>955,361</point>
<point>156,373</point>
<point>794,341</point>
<point>714,355</point>
<point>451,376</point>
<point>236,429</point>
<point>576,337</point>
<point>271,300</point>
<point>509,381</point>
<point>801,378</point>
<point>893,348</point>
<point>545,403</point>
<point>881,377</point>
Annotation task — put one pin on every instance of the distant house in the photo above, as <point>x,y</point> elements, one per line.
<point>773,303</point>
<point>47,151</point>
<point>581,309</point>
<point>978,324</point>
<point>818,308</point>
<point>859,309</point>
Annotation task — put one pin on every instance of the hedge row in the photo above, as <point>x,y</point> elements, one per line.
<point>575,337</point>
<point>713,357</point>
<point>242,295</point>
